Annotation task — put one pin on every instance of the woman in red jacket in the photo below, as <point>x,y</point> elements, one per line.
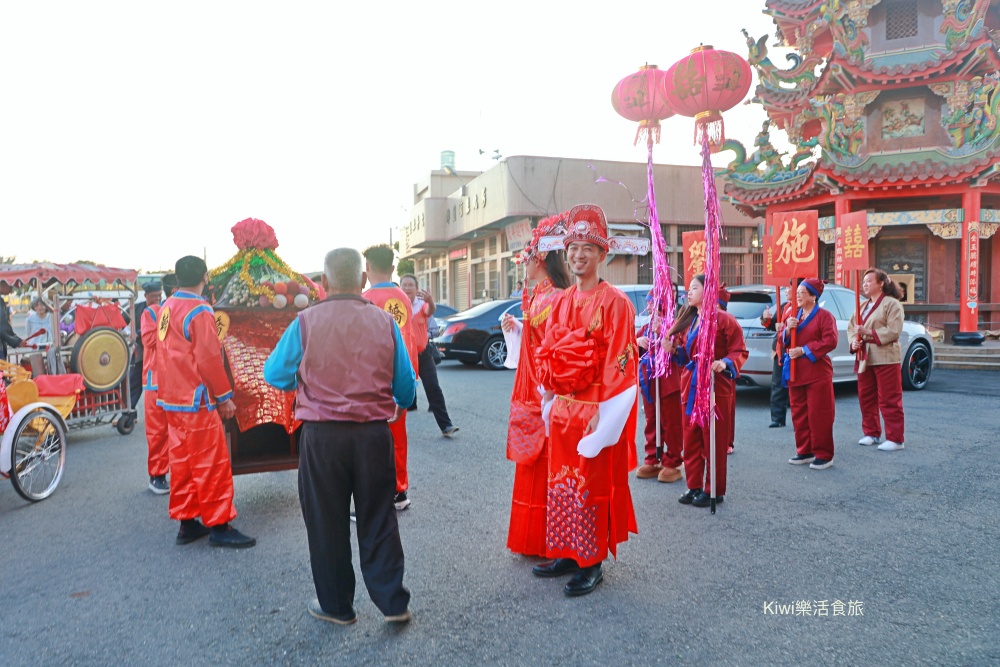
<point>810,391</point>
<point>730,354</point>
<point>527,445</point>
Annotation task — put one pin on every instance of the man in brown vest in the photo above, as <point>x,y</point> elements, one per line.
<point>346,402</point>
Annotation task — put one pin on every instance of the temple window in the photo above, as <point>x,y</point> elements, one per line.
<point>901,19</point>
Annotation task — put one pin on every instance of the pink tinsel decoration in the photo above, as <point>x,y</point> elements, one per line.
<point>663,288</point>
<point>709,309</point>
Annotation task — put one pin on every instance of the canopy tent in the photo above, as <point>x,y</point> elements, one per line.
<point>48,273</point>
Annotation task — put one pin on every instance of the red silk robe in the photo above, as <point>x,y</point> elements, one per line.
<point>191,380</point>
<point>588,357</point>
<point>154,416</point>
<point>527,445</point>
<point>394,301</point>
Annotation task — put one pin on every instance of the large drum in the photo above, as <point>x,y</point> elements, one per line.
<point>101,356</point>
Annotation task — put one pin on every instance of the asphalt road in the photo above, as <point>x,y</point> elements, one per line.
<point>908,539</point>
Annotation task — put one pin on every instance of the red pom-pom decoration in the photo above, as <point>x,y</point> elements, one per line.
<point>280,288</point>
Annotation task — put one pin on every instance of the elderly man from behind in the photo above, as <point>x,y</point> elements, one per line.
<point>345,402</point>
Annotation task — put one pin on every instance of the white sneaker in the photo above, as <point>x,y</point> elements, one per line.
<point>890,446</point>
<point>868,441</point>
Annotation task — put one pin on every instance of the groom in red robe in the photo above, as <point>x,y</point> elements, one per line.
<point>588,364</point>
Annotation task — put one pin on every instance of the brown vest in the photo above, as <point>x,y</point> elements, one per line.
<point>348,348</point>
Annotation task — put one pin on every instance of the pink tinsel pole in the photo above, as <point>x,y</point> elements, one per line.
<point>663,289</point>
<point>708,312</point>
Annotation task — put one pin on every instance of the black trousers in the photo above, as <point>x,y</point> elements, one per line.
<point>779,394</point>
<point>135,382</point>
<point>435,397</point>
<point>338,460</point>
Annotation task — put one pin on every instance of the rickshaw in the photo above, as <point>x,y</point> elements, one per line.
<point>32,436</point>
<point>78,378</point>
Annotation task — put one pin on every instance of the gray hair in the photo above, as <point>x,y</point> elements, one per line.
<point>343,268</point>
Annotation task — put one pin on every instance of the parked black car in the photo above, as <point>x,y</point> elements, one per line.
<point>474,335</point>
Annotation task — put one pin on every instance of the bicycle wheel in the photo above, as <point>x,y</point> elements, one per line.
<point>38,455</point>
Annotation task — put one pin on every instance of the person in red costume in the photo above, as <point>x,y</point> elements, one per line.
<point>730,355</point>
<point>587,364</point>
<point>157,435</point>
<point>194,391</point>
<point>527,445</point>
<point>386,295</point>
<point>664,464</point>
<point>810,393</point>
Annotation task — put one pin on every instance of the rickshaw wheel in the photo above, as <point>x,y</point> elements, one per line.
<point>126,423</point>
<point>38,455</point>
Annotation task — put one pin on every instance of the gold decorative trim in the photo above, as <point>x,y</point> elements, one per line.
<point>948,230</point>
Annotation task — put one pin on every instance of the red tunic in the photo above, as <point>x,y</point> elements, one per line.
<point>810,394</point>
<point>395,302</point>
<point>155,418</point>
<point>729,346</point>
<point>526,441</point>
<point>588,357</point>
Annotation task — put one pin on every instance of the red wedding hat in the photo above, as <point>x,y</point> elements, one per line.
<point>814,285</point>
<point>587,223</point>
<point>553,226</point>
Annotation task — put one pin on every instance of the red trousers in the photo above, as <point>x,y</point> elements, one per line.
<point>157,435</point>
<point>201,481</point>
<point>526,534</point>
<point>697,448</point>
<point>398,430</point>
<point>671,430</point>
<point>880,389</point>
<point>813,410</point>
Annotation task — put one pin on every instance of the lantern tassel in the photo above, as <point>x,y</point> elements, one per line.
<point>715,129</point>
<point>703,410</point>
<point>663,288</point>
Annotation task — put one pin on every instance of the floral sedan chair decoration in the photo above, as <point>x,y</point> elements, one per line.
<point>255,295</point>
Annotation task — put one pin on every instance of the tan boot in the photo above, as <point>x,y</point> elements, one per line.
<point>668,475</point>
<point>648,471</point>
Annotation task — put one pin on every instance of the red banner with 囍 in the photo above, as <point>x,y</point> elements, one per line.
<point>694,254</point>
<point>791,246</point>
<point>852,241</point>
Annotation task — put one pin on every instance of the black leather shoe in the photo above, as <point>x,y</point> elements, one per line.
<point>704,500</point>
<point>689,497</point>
<point>584,581</point>
<point>555,568</point>
<point>776,425</point>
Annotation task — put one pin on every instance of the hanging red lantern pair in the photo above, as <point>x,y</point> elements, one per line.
<point>702,85</point>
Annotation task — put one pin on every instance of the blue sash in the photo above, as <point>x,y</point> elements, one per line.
<point>692,366</point>
<point>786,361</point>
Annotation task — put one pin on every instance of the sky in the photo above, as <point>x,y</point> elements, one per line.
<point>135,133</point>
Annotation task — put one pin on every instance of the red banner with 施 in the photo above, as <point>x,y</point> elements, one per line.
<point>791,247</point>
<point>694,254</point>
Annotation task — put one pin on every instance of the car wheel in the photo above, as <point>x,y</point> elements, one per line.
<point>495,353</point>
<point>916,367</point>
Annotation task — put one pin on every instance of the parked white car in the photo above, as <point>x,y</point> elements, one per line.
<point>749,301</point>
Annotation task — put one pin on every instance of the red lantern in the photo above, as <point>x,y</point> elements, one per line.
<point>639,98</point>
<point>704,84</point>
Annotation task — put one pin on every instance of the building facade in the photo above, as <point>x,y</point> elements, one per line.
<point>901,97</point>
<point>465,228</point>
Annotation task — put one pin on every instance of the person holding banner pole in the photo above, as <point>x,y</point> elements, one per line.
<point>875,340</point>
<point>810,392</point>
<point>730,354</point>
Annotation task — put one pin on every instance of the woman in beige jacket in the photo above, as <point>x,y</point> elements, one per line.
<point>876,342</point>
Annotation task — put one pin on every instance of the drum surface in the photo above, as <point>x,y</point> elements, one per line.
<point>101,357</point>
